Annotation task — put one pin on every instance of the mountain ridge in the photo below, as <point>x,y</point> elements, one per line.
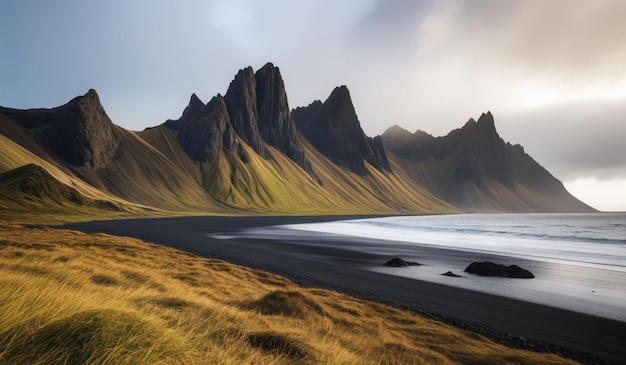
<point>247,151</point>
<point>474,168</point>
<point>334,129</point>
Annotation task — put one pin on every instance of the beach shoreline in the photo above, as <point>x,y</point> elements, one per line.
<point>513,322</point>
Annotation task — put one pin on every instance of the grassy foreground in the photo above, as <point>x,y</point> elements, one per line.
<point>76,298</point>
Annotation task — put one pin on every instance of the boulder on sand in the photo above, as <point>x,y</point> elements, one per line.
<point>398,262</point>
<point>488,268</point>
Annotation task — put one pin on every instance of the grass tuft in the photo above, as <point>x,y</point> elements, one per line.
<point>278,344</point>
<point>287,303</point>
<point>104,280</point>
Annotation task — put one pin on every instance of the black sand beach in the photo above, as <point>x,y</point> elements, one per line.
<point>514,322</point>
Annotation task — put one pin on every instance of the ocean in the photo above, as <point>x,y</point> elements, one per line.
<point>579,260</point>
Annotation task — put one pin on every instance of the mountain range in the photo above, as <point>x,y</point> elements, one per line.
<point>248,152</point>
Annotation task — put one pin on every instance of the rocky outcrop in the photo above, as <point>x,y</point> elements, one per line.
<point>274,116</point>
<point>259,113</point>
<point>204,130</point>
<point>79,132</point>
<point>241,102</point>
<point>398,262</point>
<point>474,168</point>
<point>334,129</point>
<point>488,268</point>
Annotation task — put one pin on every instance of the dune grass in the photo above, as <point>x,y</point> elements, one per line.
<point>76,298</point>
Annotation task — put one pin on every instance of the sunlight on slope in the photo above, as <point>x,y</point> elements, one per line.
<point>13,155</point>
<point>281,186</point>
<point>142,174</point>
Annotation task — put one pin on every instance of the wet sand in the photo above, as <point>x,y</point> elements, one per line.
<point>322,264</point>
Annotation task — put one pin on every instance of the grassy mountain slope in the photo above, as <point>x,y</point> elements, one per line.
<point>36,190</point>
<point>278,184</point>
<point>141,174</point>
<point>135,171</point>
<point>30,191</point>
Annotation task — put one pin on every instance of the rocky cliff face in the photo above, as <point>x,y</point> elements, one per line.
<point>79,132</point>
<point>483,156</point>
<point>83,134</point>
<point>204,130</point>
<point>334,129</point>
<point>274,116</point>
<point>472,167</point>
<point>254,110</point>
<point>241,102</point>
<point>233,151</point>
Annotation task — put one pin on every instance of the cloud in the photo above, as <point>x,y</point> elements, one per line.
<point>604,195</point>
<point>572,140</point>
<point>446,61</point>
<point>559,38</point>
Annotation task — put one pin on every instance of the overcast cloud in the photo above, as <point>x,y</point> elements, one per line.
<point>552,72</point>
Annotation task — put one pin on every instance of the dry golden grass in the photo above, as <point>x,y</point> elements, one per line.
<point>74,298</point>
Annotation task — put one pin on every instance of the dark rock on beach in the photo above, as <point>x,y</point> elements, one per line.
<point>451,274</point>
<point>488,268</point>
<point>398,262</point>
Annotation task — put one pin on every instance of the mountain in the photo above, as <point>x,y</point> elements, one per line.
<point>334,129</point>
<point>275,121</point>
<point>248,152</point>
<point>259,112</point>
<point>32,185</point>
<point>81,141</point>
<point>79,132</point>
<point>473,168</point>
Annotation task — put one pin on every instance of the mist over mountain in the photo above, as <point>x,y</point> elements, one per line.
<point>473,168</point>
<point>247,151</point>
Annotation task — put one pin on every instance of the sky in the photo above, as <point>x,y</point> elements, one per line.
<point>553,73</point>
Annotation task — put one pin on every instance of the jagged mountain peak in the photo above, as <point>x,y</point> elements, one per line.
<point>244,73</point>
<point>488,117</point>
<point>334,129</point>
<point>193,109</point>
<point>340,104</point>
<point>91,94</point>
<point>241,101</point>
<point>89,99</point>
<point>274,116</point>
<point>82,133</point>
<point>254,109</point>
<point>474,168</point>
<point>204,130</point>
<point>195,102</point>
<point>268,67</point>
<point>201,160</point>
<point>79,133</point>
<point>486,123</point>
<point>470,123</point>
